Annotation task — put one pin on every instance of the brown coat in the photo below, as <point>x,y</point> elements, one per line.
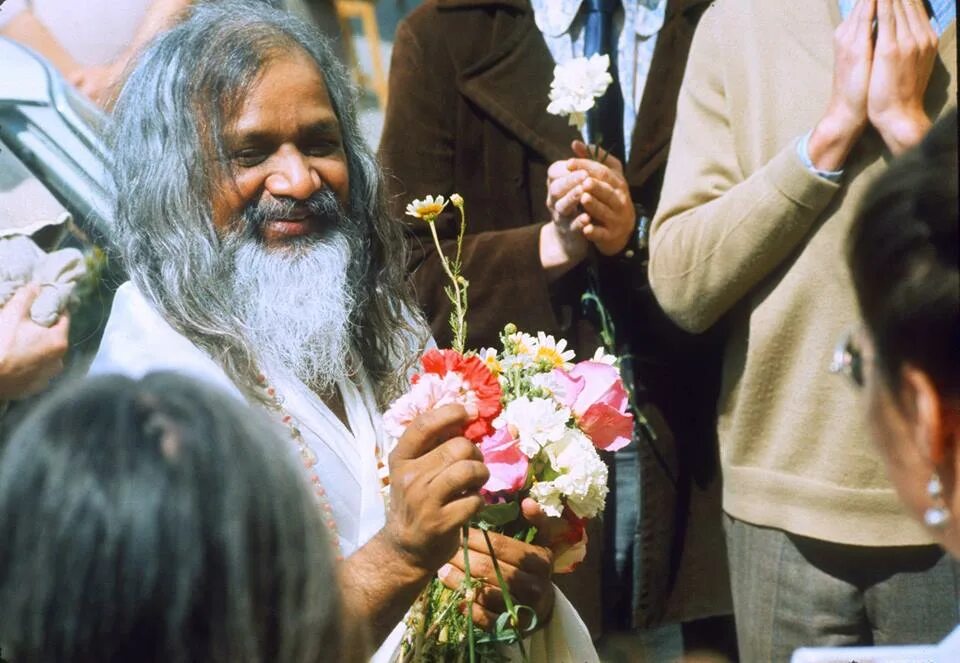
<point>469,83</point>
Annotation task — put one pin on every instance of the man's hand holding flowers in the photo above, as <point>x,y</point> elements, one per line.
<point>435,480</point>
<point>526,568</point>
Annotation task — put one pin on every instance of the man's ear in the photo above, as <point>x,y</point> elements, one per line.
<point>928,418</point>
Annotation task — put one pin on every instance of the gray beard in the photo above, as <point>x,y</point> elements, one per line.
<point>295,304</point>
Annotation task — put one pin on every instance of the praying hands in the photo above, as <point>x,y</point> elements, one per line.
<point>879,82</point>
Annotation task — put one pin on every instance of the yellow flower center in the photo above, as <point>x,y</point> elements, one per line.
<point>427,210</point>
<point>550,355</point>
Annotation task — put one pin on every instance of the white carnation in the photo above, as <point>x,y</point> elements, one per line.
<point>576,83</point>
<point>535,422</point>
<point>582,480</point>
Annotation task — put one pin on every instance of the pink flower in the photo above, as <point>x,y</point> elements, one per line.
<point>507,464</point>
<point>597,397</point>
<point>447,377</point>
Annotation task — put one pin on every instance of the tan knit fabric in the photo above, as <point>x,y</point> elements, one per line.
<point>745,231</point>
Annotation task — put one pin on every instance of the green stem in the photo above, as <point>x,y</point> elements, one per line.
<point>468,583</point>
<point>458,336</point>
<point>507,599</point>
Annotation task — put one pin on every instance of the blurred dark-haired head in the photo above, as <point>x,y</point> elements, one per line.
<point>903,256</point>
<point>157,520</point>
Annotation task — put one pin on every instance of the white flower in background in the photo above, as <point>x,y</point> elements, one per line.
<point>602,357</point>
<point>575,86</point>
<point>553,352</point>
<point>534,422</point>
<point>427,209</point>
<point>582,483</point>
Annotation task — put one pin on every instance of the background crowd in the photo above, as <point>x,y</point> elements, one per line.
<point>776,197</point>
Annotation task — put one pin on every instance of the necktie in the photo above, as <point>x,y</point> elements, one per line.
<point>605,119</point>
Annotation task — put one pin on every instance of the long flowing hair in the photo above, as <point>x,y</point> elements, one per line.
<point>169,157</point>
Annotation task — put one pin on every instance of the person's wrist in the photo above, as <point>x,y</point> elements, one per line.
<point>560,251</point>
<point>902,130</point>
<point>833,137</point>
<point>403,559</point>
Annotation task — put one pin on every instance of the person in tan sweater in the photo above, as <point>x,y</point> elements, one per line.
<point>780,127</point>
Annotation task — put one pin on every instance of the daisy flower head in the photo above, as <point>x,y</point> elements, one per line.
<point>601,356</point>
<point>489,357</point>
<point>427,209</point>
<point>520,344</point>
<point>456,200</point>
<point>553,353</point>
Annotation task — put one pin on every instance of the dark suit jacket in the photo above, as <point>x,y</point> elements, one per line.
<point>469,86</point>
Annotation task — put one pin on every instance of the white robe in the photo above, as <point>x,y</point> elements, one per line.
<point>137,341</point>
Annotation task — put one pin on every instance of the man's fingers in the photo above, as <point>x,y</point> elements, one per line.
<point>485,594</point>
<point>527,557</point>
<point>902,27</point>
<point>918,22</point>
<point>865,12</point>
<point>580,149</point>
<point>464,476</point>
<point>18,308</point>
<point>886,27</point>
<point>600,213</point>
<point>431,429</point>
<point>557,170</point>
<point>482,617</point>
<point>602,191</point>
<point>609,171</point>
<point>462,509</point>
<point>562,186</point>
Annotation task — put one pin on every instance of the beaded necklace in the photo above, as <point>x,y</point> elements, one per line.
<point>274,402</point>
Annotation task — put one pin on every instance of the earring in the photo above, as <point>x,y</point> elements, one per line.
<point>937,515</point>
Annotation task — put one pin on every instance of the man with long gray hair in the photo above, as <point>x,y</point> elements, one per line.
<point>250,218</point>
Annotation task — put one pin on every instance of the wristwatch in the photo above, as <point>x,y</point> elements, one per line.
<point>639,238</point>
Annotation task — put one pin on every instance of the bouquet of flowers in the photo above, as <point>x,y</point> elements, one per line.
<point>542,421</point>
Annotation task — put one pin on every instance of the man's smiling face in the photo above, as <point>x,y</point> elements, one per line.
<point>284,147</point>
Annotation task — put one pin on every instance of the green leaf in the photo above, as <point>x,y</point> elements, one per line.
<point>498,515</point>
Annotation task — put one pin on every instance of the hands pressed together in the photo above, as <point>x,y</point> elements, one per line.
<point>30,354</point>
<point>877,81</point>
<point>435,480</point>
<point>589,202</point>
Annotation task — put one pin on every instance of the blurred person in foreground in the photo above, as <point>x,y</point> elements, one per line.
<point>786,113</point>
<point>90,43</point>
<point>153,520</point>
<point>903,255</point>
<point>250,218</point>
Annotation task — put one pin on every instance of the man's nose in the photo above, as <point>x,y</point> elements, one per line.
<point>293,176</point>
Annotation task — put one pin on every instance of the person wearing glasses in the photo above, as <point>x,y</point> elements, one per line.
<point>903,256</point>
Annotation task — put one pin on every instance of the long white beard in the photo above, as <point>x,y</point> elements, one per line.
<point>296,307</point>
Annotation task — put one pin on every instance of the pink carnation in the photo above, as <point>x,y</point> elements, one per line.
<point>447,377</point>
<point>597,397</point>
<point>507,464</point>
